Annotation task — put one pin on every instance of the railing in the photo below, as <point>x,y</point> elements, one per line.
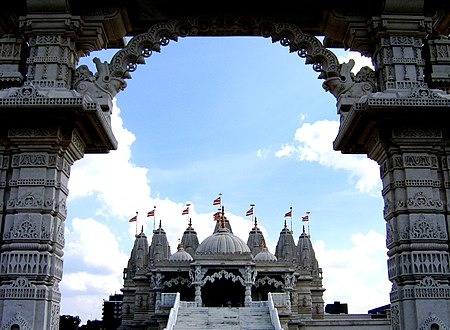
<point>274,313</point>
<point>173,313</point>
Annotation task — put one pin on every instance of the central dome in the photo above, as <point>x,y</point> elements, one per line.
<point>222,242</point>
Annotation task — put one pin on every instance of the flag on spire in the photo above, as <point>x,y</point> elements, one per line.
<point>216,201</point>
<point>288,214</point>
<point>249,212</point>
<point>151,213</point>
<point>133,219</point>
<point>305,218</point>
<point>185,211</point>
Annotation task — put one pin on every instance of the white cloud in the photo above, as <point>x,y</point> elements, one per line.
<point>313,142</point>
<point>96,265</point>
<point>118,184</point>
<point>360,61</point>
<point>357,275</point>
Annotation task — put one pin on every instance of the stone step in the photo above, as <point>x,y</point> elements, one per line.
<point>230,318</point>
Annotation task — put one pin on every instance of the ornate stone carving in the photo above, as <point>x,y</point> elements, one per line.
<point>416,132</point>
<point>420,200</point>
<point>347,85</point>
<point>395,317</point>
<point>25,228</point>
<point>418,263</point>
<point>16,319</point>
<point>433,319</point>
<point>289,281</point>
<point>156,281</point>
<point>102,86</point>
<point>223,274</point>
<point>11,49</point>
<point>423,229</point>
<point>266,280</point>
<point>143,45</point>
<point>54,323</point>
<point>177,280</point>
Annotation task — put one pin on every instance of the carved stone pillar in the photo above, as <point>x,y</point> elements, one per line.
<point>398,51</point>
<point>403,128</point>
<point>45,126</point>
<point>414,172</point>
<point>37,165</point>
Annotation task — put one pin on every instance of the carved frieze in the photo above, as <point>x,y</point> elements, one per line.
<point>30,200</point>
<point>411,183</point>
<point>423,229</point>
<point>410,263</point>
<point>416,132</point>
<point>31,263</point>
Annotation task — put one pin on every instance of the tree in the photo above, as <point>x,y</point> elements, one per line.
<point>69,322</point>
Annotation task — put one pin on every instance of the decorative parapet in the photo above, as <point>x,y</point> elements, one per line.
<point>427,288</point>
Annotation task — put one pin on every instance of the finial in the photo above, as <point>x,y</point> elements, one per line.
<point>303,229</point>
<point>160,224</point>
<point>190,222</point>
<point>256,222</point>
<point>142,229</point>
<point>180,245</point>
<point>222,223</point>
<point>262,244</point>
<point>285,225</point>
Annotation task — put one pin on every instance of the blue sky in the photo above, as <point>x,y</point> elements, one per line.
<point>238,116</point>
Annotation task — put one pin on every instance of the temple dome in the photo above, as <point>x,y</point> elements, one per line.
<point>222,242</point>
<point>265,255</point>
<point>180,255</point>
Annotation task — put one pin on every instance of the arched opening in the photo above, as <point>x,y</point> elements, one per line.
<point>223,293</point>
<point>261,293</point>
<point>183,92</point>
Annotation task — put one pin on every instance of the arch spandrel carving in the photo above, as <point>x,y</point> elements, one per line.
<point>143,45</point>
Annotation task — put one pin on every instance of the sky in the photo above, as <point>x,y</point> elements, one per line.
<point>241,117</point>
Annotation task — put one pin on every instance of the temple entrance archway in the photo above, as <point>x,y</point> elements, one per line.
<point>52,114</point>
<point>223,293</point>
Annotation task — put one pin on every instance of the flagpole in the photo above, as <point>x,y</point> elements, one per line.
<point>307,214</point>
<point>253,213</point>
<point>136,222</point>
<point>154,216</point>
<point>291,220</point>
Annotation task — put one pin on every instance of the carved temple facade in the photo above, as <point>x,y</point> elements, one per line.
<point>221,271</point>
<point>53,111</point>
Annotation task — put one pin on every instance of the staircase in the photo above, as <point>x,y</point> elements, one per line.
<point>207,318</point>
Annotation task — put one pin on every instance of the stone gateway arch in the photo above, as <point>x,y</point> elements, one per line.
<point>52,112</point>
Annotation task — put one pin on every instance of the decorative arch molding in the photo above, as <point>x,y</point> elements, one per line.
<point>177,280</point>
<point>266,280</point>
<point>223,274</point>
<point>16,319</point>
<point>143,45</point>
<point>433,319</point>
